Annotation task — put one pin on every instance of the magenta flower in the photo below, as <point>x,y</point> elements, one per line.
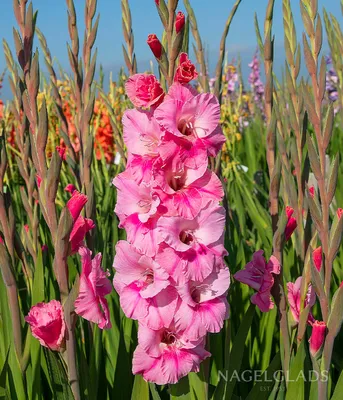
<point>196,243</point>
<point>258,275</point>
<point>166,355</point>
<point>47,324</point>
<point>81,225</point>
<point>144,90</point>
<point>291,223</point>
<point>294,298</point>
<point>91,303</point>
<point>144,288</point>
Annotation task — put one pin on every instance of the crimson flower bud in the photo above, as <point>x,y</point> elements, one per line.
<point>179,21</point>
<point>317,338</point>
<point>339,212</point>
<point>155,45</point>
<point>311,191</point>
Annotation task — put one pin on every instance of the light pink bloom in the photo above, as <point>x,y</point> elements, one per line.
<point>204,306</point>
<point>317,256</point>
<point>144,288</point>
<point>317,338</point>
<point>185,191</point>
<point>47,324</point>
<point>91,303</point>
<point>166,355</point>
<point>294,298</point>
<point>196,243</point>
<point>144,90</point>
<point>194,118</point>
<point>258,275</point>
<point>134,198</point>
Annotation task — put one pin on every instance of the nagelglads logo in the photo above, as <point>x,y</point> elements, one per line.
<point>278,376</point>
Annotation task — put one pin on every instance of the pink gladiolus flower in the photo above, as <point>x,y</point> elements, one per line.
<point>294,298</point>
<point>144,288</point>
<point>47,324</point>
<point>204,306</point>
<point>291,223</point>
<point>317,338</point>
<point>91,303</point>
<point>196,243</point>
<point>317,256</point>
<point>185,191</point>
<point>258,275</point>
<point>186,71</point>
<point>144,90</point>
<point>166,355</point>
<point>339,212</point>
<point>192,118</point>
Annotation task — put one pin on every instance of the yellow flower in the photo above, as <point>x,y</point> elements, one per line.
<point>238,136</point>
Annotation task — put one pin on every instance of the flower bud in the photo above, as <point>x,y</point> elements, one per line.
<point>291,223</point>
<point>186,70</point>
<point>317,338</point>
<point>155,45</point>
<point>311,191</point>
<point>179,22</point>
<point>317,258</point>
<point>339,212</point>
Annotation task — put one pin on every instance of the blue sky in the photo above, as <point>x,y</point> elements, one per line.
<point>211,16</point>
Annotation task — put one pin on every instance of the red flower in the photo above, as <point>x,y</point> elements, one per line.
<point>186,70</point>
<point>61,152</point>
<point>39,180</point>
<point>311,191</point>
<point>339,212</point>
<point>317,258</point>
<point>291,223</point>
<point>155,45</point>
<point>179,21</point>
<point>317,338</point>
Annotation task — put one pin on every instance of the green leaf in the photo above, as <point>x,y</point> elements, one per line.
<point>58,376</point>
<point>337,394</point>
<point>140,389</point>
<point>295,389</point>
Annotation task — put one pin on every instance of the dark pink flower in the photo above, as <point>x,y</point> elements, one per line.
<point>70,188</point>
<point>339,212</point>
<point>144,90</point>
<point>291,223</point>
<point>47,324</point>
<point>27,228</point>
<point>155,45</point>
<point>258,275</point>
<point>80,228</point>
<point>317,338</point>
<point>311,191</point>
<point>179,21</point>
<point>76,203</point>
<point>91,303</point>
<point>186,71</point>
<point>44,247</point>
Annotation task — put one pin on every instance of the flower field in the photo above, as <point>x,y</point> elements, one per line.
<point>177,234</point>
